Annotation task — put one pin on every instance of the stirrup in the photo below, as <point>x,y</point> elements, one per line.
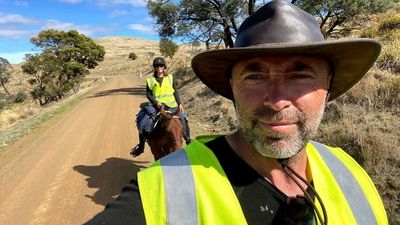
<point>137,150</point>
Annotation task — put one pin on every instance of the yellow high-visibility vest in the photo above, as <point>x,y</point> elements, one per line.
<point>189,186</point>
<point>163,93</point>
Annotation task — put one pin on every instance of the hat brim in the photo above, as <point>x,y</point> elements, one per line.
<point>351,59</point>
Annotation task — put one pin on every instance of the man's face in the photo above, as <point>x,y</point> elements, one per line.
<point>280,101</point>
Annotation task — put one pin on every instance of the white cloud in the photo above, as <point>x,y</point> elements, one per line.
<point>21,3</point>
<point>57,25</point>
<point>71,1</point>
<point>84,29</point>
<point>13,33</point>
<point>138,3</point>
<point>117,13</point>
<point>16,19</point>
<point>130,2</point>
<point>141,28</point>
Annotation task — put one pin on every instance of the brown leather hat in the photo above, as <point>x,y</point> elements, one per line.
<point>281,28</point>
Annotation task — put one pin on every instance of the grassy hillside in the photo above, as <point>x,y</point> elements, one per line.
<point>364,122</point>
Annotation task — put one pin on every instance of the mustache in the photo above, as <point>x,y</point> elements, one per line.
<point>270,115</point>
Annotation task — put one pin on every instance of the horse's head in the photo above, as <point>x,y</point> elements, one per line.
<point>167,135</point>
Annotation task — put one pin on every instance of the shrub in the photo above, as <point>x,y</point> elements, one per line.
<point>389,23</point>
<point>168,48</point>
<point>369,33</point>
<point>20,97</point>
<point>132,56</point>
<point>3,104</point>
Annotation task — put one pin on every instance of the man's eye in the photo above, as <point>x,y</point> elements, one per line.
<point>300,76</point>
<point>255,77</point>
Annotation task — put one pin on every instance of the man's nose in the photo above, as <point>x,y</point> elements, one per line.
<point>277,95</point>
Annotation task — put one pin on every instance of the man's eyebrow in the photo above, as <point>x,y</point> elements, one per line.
<point>300,66</point>
<point>258,67</point>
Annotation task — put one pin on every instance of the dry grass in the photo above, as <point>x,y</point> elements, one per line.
<point>389,59</point>
<point>10,115</point>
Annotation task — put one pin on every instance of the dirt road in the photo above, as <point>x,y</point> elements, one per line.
<point>66,170</point>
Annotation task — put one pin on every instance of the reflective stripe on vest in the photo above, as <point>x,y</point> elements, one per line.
<point>180,190</point>
<point>355,196</point>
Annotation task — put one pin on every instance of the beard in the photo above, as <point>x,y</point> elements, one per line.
<point>276,144</point>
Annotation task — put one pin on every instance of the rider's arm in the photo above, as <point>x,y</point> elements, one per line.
<point>126,209</point>
<point>176,94</point>
<point>149,95</point>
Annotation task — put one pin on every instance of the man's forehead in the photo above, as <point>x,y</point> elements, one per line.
<point>292,62</point>
<point>283,59</point>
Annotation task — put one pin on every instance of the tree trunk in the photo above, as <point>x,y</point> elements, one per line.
<point>250,9</point>
<point>227,34</point>
<point>5,89</point>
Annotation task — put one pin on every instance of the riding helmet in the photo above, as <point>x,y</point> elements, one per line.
<point>159,61</point>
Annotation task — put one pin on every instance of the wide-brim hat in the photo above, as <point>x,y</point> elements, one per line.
<point>281,28</point>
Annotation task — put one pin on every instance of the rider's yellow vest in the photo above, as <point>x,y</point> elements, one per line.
<point>163,93</point>
<point>190,187</point>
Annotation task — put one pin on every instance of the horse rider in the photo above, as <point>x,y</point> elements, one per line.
<point>161,91</point>
<point>280,74</point>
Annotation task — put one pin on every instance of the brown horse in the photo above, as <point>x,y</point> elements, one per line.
<point>167,135</point>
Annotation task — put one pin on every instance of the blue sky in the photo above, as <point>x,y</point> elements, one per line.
<point>22,19</point>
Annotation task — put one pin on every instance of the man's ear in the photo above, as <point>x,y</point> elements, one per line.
<point>331,76</point>
<point>233,100</point>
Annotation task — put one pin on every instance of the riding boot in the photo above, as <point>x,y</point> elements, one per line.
<point>139,148</point>
<point>186,131</point>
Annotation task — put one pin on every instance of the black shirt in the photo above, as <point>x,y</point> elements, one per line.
<point>261,202</point>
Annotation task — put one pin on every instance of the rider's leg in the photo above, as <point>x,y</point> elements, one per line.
<point>139,148</point>
<point>186,129</point>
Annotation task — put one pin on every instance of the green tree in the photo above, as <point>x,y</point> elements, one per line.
<point>333,14</point>
<point>168,48</point>
<point>77,53</point>
<point>45,71</point>
<point>64,62</point>
<point>5,74</point>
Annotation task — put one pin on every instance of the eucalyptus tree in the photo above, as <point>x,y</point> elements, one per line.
<point>65,60</point>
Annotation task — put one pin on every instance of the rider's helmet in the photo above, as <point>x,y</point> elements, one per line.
<point>159,61</point>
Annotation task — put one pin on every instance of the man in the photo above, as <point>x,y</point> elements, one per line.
<point>280,74</point>
<point>161,92</point>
